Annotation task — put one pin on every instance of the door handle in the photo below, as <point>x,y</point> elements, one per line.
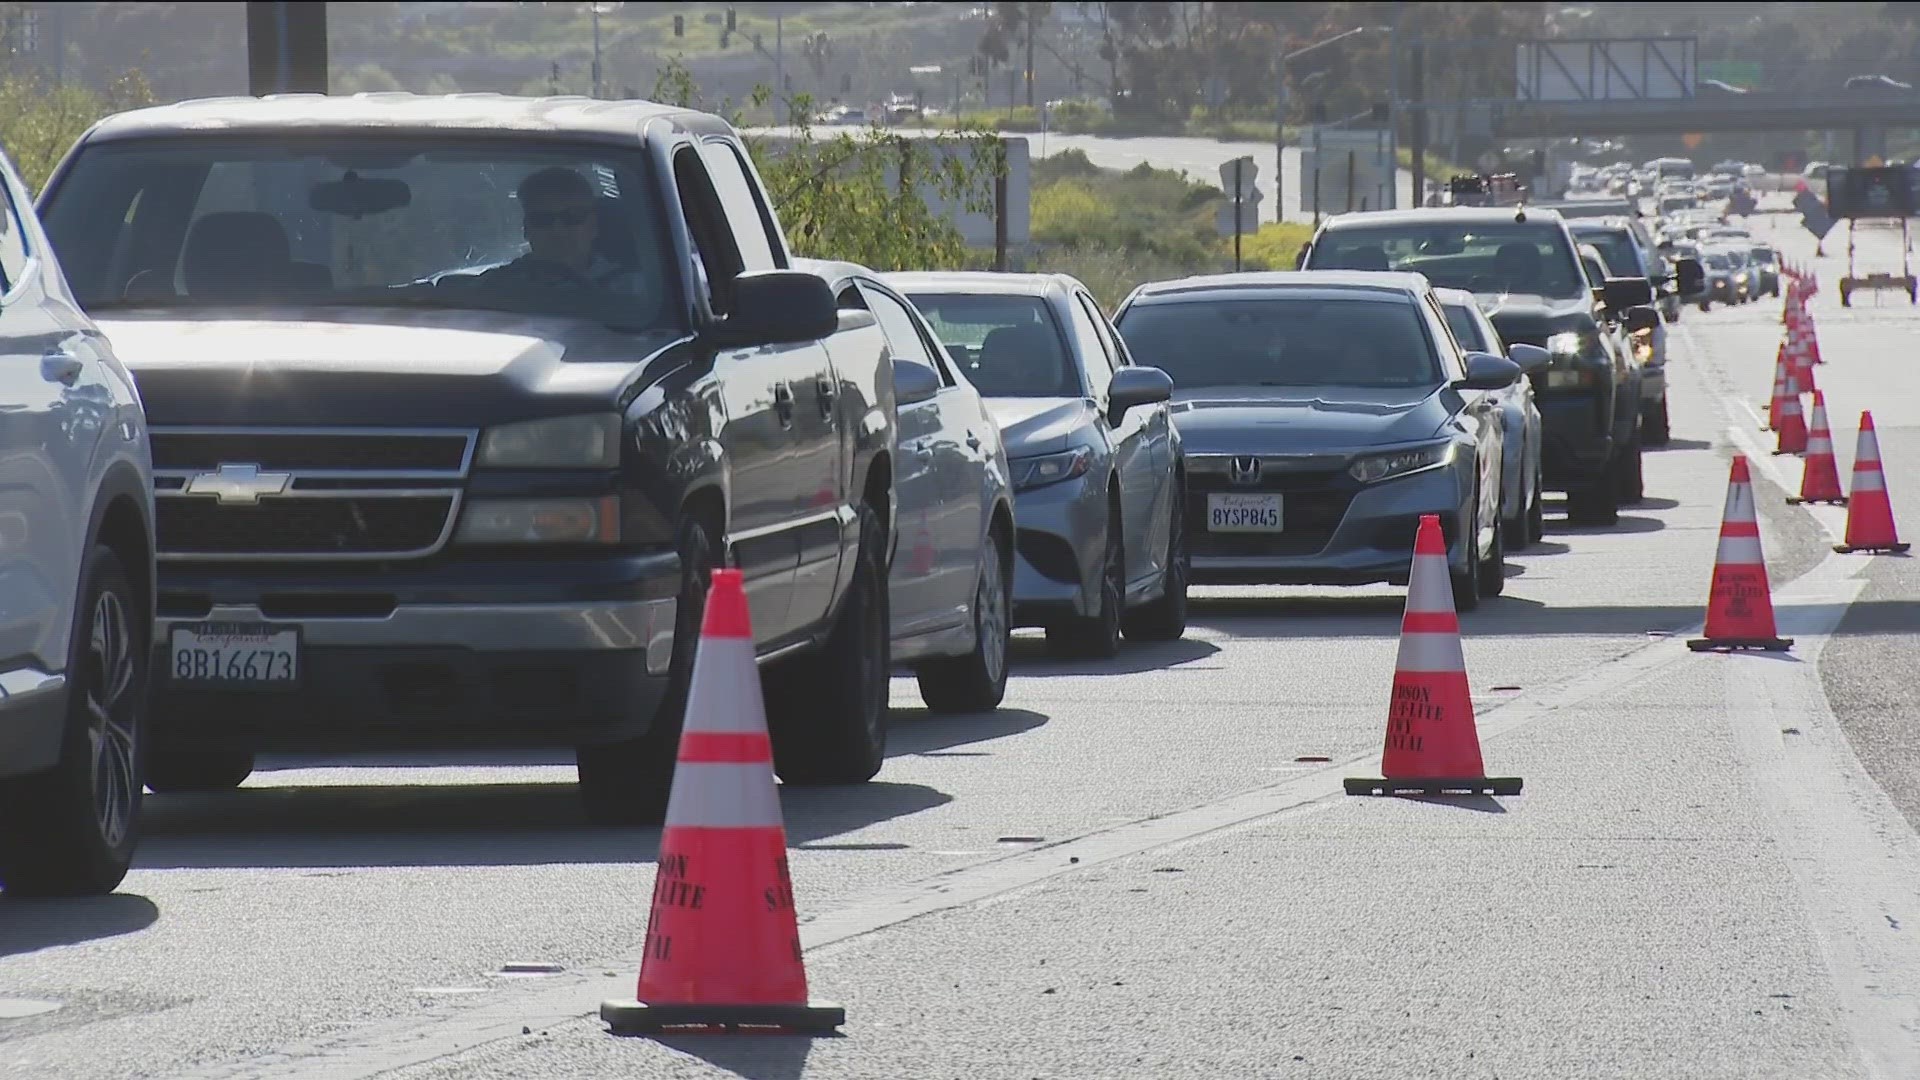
<point>60,367</point>
<point>973,441</point>
<point>783,404</point>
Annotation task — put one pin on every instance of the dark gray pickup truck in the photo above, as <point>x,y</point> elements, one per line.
<point>455,402</point>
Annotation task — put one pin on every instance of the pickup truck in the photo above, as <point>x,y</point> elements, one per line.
<point>455,402</point>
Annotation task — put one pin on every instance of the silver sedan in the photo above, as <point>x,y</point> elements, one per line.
<point>1520,468</point>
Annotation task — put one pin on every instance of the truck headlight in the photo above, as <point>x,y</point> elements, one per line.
<point>559,442</point>
<point>1377,467</point>
<point>1035,472</point>
<point>540,521</point>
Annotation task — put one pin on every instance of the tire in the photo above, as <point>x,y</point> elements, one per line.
<point>69,831</point>
<point>1491,572</point>
<point>839,736</point>
<point>170,771</point>
<point>1706,305</point>
<point>1537,509</point>
<point>1519,531</point>
<point>1466,583</point>
<point>1164,618</point>
<point>977,681</point>
<point>1627,472</point>
<point>1096,636</point>
<point>1593,503</point>
<point>1655,429</point>
<point>627,782</point>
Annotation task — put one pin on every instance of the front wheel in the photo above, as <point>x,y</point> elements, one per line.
<point>1655,427</point>
<point>69,831</point>
<point>977,681</point>
<point>1537,509</point>
<point>1164,618</point>
<point>832,728</point>
<point>1628,472</point>
<point>1491,572</point>
<point>1096,636</point>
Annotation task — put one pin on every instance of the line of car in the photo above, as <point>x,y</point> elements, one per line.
<point>456,402</point>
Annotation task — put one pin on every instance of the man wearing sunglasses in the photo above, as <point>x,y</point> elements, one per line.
<point>560,219</point>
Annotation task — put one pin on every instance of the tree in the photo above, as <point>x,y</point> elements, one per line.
<point>839,196</point>
<point>39,122</point>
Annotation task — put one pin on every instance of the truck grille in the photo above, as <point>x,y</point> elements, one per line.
<point>295,495</point>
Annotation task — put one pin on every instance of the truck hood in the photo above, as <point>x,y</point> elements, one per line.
<point>1278,419</point>
<point>1031,426</point>
<point>212,366</point>
<point>1524,318</point>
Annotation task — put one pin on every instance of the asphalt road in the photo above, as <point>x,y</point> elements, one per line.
<point>1139,867</point>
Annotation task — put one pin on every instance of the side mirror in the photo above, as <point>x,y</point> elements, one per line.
<point>913,382</point>
<point>778,307</point>
<point>1530,357</point>
<point>1642,318</point>
<point>1133,386</point>
<point>1486,371</point>
<point>1624,293</point>
<point>1691,276</point>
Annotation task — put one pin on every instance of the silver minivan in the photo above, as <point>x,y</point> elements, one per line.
<point>76,578</point>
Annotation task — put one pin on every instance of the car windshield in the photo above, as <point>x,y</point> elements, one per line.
<point>1466,328</point>
<point>1283,341</point>
<point>1481,258</point>
<point>543,229</point>
<point>1763,256</point>
<point>1718,262</point>
<point>1616,248</point>
<point>1009,345</point>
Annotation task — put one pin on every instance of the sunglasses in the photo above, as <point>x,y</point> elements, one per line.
<point>557,219</point>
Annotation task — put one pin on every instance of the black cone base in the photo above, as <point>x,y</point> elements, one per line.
<point>1475,785</point>
<point>1890,549</point>
<point>1763,644</point>
<point>639,1018</point>
<point>1795,500</point>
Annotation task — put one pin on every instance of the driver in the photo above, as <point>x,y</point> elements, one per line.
<point>559,216</point>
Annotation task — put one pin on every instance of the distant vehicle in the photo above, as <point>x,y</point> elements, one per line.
<point>1753,171</point>
<point>1671,168</point>
<point>1326,412</point>
<point>1728,167</point>
<point>950,586</point>
<point>1097,465</point>
<point>1670,203</point>
<point>1520,469</point>
<point>1625,253</point>
<point>1766,269</point>
<point>1727,277</point>
<point>76,579</point>
<point>1877,83</point>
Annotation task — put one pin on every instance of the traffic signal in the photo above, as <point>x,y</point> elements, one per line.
<point>679,26</point>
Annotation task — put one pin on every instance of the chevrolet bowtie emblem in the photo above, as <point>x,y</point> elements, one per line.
<point>239,484</point>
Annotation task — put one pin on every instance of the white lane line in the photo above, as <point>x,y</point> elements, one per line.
<point>1852,855</point>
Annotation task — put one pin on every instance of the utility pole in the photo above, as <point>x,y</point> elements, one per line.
<point>1033,16</point>
<point>1416,93</point>
<point>594,8</point>
<point>780,73</point>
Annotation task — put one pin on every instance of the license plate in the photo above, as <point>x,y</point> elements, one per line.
<point>235,654</point>
<point>1243,513</point>
<point>1564,378</point>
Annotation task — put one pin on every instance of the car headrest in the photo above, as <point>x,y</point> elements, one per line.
<point>235,252</point>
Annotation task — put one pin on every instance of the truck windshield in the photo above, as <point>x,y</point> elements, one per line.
<point>545,229</point>
<point>1483,258</point>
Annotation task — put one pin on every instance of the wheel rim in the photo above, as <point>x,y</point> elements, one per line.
<point>109,675</point>
<point>991,616</point>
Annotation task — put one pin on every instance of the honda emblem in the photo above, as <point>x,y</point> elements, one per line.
<point>1244,470</point>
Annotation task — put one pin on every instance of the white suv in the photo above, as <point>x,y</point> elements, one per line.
<point>76,578</point>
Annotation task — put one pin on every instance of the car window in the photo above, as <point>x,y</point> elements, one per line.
<point>903,338</point>
<point>1093,347</point>
<point>751,233</point>
<point>1007,345</point>
<point>1284,340</point>
<point>1466,329</point>
<point>1596,271</point>
<point>13,243</point>
<point>1116,352</point>
<point>1617,249</point>
<point>1484,258</point>
<point>456,222</point>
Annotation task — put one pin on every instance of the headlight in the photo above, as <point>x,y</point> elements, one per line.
<point>540,521</point>
<point>1740,277</point>
<point>1378,467</point>
<point>561,442</point>
<point>1034,472</point>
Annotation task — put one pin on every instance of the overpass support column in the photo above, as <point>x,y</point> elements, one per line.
<point>287,48</point>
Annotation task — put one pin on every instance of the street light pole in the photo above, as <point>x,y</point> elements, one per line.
<point>595,9</point>
<point>1280,117</point>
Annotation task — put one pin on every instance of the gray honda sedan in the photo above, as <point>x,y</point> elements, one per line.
<point>1323,413</point>
<point>1096,465</point>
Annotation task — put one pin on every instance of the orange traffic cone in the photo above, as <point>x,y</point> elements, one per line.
<point>1869,513</point>
<point>1809,342</point>
<point>1432,745</point>
<point>1784,387</point>
<point>723,942</point>
<point>1740,603</point>
<point>1792,427</point>
<point>1820,481</point>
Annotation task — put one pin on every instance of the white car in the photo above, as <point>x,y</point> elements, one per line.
<point>76,578</point>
